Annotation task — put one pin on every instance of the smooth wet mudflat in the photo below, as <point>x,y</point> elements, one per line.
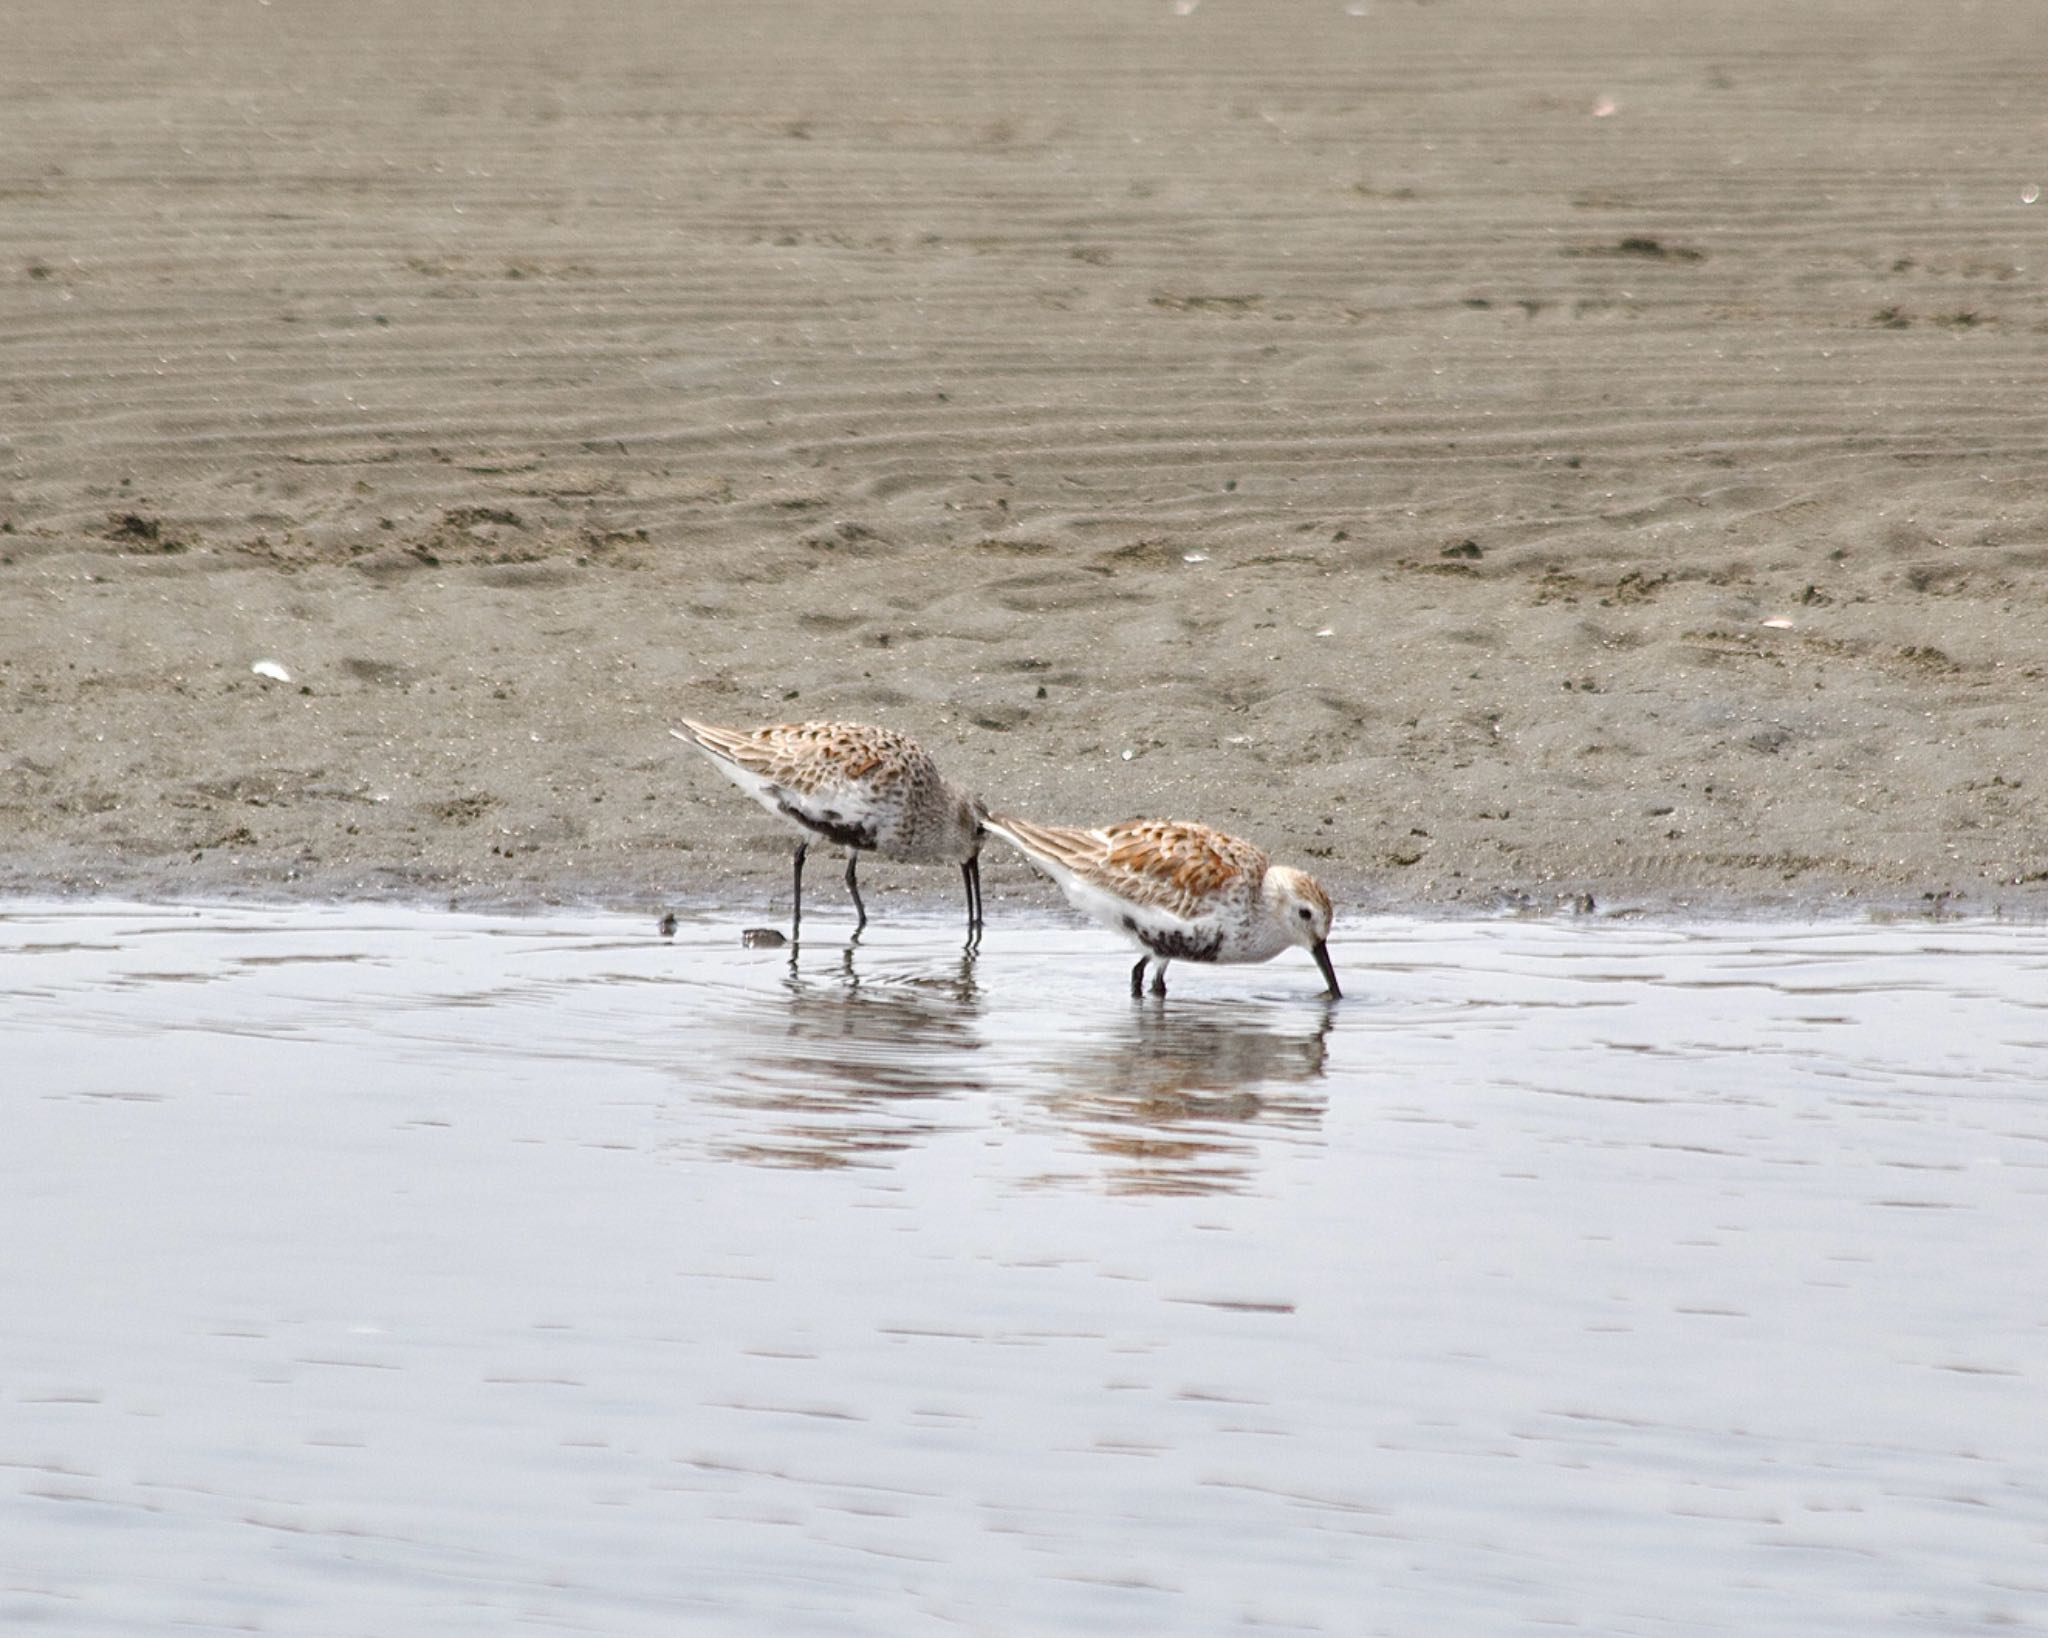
<point>374,1271</point>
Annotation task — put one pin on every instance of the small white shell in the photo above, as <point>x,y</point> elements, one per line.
<point>272,670</point>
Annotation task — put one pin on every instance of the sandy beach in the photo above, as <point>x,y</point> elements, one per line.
<point>1490,454</point>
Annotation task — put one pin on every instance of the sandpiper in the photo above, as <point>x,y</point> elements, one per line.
<point>1182,891</point>
<point>870,790</point>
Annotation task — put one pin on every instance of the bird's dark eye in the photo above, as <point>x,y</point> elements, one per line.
<point>1307,914</point>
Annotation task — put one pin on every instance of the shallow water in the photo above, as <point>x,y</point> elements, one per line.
<point>381,1272</point>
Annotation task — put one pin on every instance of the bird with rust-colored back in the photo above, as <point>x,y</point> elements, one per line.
<point>1181,891</point>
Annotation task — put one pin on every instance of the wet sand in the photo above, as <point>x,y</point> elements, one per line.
<point>1490,454</point>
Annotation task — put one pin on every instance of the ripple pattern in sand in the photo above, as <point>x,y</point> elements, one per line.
<point>1097,271</point>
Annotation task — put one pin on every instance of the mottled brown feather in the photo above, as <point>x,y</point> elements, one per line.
<point>1172,864</point>
<point>804,755</point>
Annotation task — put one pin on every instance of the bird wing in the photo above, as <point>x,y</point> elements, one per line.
<point>735,745</point>
<point>1169,865</point>
<point>799,755</point>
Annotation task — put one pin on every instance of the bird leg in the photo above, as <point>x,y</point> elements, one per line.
<point>1138,976</point>
<point>970,873</point>
<point>853,887</point>
<point>1159,979</point>
<point>796,911</point>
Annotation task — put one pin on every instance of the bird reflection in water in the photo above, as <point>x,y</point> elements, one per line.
<point>855,1062</point>
<point>1177,1099</point>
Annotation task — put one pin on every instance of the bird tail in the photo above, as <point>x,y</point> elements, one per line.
<point>1044,844</point>
<point>721,744</point>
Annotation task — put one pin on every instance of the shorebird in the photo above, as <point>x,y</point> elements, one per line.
<point>870,790</point>
<point>1182,892</point>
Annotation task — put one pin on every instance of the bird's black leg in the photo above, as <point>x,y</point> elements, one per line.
<point>1138,976</point>
<point>860,910</point>
<point>796,910</point>
<point>1159,979</point>
<point>970,873</point>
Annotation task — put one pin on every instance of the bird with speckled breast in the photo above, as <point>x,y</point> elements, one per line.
<point>868,790</point>
<point>1180,891</point>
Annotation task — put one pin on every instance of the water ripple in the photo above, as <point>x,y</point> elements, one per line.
<point>549,1271</point>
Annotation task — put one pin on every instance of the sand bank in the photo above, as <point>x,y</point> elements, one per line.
<point>1489,454</point>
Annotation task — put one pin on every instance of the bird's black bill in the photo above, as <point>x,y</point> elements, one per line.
<point>1321,951</point>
